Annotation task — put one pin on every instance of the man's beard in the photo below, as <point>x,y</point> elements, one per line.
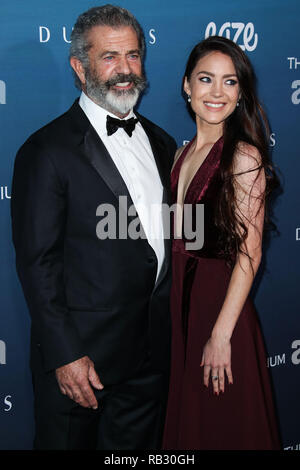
<point>114,101</point>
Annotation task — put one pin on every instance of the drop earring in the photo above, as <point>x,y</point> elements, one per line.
<point>189,98</point>
<point>238,103</point>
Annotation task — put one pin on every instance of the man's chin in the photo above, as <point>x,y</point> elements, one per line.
<point>121,104</point>
<point>116,102</point>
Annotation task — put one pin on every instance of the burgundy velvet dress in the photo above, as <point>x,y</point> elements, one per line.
<point>243,418</point>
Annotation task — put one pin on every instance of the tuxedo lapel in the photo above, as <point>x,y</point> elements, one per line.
<point>99,158</point>
<point>94,150</point>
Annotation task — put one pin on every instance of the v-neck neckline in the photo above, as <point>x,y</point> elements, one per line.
<point>180,161</point>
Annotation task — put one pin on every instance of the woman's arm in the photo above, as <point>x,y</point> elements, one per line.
<point>249,192</point>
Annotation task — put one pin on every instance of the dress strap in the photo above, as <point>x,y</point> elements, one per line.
<point>177,166</point>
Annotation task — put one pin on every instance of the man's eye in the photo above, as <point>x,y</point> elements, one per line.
<point>109,58</point>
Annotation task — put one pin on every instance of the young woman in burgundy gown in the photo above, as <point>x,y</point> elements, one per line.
<point>220,395</point>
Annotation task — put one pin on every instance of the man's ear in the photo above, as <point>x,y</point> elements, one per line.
<point>78,69</point>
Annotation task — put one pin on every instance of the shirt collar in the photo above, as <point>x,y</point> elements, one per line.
<point>96,114</point>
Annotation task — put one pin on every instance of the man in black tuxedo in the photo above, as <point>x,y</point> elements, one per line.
<point>98,299</point>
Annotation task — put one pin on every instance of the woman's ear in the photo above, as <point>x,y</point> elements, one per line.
<point>186,86</point>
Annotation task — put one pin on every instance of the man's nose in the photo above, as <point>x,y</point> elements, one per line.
<point>123,65</point>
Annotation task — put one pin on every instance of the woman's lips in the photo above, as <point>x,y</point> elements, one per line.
<point>214,106</point>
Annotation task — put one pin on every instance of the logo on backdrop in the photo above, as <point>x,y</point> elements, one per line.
<point>294,63</point>
<point>296,94</point>
<point>242,34</point>
<point>152,36</point>
<point>45,35</point>
<point>272,140</point>
<point>296,354</point>
<point>2,92</point>
<point>284,359</point>
<point>298,234</point>
<point>4,193</point>
<point>2,352</point>
<point>7,403</point>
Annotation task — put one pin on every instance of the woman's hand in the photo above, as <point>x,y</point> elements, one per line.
<point>216,360</point>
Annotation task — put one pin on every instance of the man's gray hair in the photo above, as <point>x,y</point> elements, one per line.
<point>106,15</point>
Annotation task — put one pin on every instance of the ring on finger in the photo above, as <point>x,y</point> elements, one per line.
<point>215,377</point>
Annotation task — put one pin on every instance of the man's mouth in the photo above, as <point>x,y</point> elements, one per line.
<point>123,85</point>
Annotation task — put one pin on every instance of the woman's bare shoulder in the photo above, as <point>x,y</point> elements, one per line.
<point>248,170</point>
<point>247,157</point>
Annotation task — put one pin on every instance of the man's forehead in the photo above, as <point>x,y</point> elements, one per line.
<point>107,37</point>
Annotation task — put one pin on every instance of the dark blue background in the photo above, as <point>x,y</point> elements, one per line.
<point>39,86</point>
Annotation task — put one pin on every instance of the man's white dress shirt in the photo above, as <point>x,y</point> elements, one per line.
<point>135,162</point>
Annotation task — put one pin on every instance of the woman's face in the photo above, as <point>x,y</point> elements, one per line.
<point>213,88</point>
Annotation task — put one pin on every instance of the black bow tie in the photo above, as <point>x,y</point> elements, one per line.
<point>112,125</point>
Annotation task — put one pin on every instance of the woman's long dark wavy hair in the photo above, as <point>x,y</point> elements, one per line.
<point>248,123</point>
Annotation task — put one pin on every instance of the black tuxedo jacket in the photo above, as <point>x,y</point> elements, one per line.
<point>87,296</point>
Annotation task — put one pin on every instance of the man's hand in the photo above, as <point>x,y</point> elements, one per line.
<point>75,380</point>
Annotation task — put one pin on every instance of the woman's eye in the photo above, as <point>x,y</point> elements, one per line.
<point>231,82</point>
<point>205,79</point>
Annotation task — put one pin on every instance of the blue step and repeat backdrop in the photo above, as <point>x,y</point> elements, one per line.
<point>36,85</point>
